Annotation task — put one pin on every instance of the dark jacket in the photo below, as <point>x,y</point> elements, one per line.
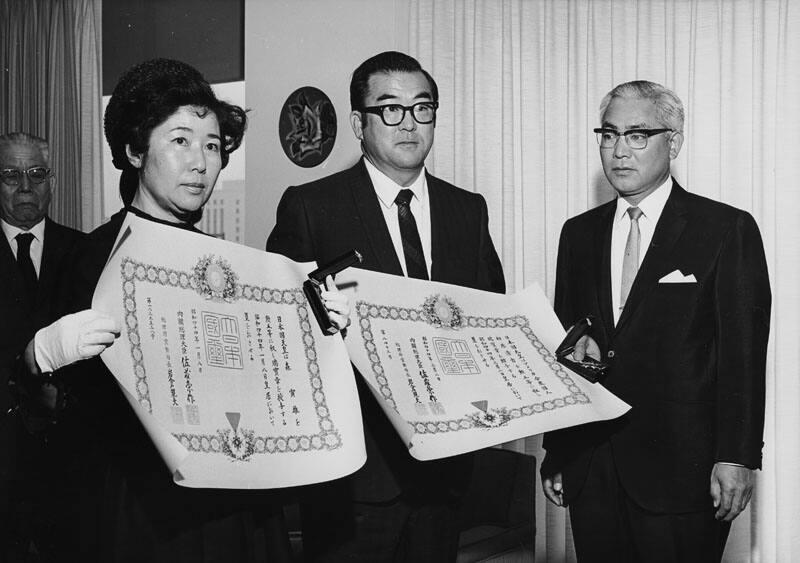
<point>688,357</point>
<point>323,219</point>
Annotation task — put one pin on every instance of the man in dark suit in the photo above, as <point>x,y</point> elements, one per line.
<point>31,250</point>
<point>678,287</point>
<point>404,222</point>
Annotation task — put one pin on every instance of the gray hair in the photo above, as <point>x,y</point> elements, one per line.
<point>18,137</point>
<point>669,108</point>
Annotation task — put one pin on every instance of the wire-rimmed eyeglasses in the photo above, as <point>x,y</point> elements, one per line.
<point>13,176</point>
<point>393,114</point>
<point>635,138</point>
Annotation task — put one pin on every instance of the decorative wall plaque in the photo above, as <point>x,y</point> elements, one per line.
<point>307,126</point>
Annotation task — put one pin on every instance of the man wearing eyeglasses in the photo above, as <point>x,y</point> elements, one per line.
<point>30,255</point>
<point>404,221</point>
<point>678,287</point>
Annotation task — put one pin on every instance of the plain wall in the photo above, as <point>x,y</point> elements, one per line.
<point>294,43</point>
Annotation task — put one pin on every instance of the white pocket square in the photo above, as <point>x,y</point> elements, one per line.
<point>678,277</point>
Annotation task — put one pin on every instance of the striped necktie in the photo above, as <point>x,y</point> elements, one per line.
<point>412,245</point>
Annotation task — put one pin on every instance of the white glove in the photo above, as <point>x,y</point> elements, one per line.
<point>73,337</point>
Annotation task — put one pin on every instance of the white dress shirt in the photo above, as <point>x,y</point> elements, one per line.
<point>651,207</point>
<point>37,244</point>
<point>387,190</point>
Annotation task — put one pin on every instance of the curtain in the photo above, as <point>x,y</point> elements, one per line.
<point>50,86</point>
<point>520,83</point>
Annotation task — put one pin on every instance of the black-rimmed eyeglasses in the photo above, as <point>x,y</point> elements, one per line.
<point>393,114</point>
<point>13,176</point>
<point>636,138</point>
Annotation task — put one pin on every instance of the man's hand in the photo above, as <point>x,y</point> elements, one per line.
<point>336,304</point>
<point>47,397</point>
<point>586,346</point>
<point>731,488</point>
<point>553,489</point>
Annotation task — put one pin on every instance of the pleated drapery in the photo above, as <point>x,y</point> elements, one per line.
<point>50,66</point>
<point>520,83</point>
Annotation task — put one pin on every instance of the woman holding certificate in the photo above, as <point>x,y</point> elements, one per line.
<point>170,136</point>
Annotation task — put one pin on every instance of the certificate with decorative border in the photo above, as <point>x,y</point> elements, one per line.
<point>224,363</point>
<point>458,369</point>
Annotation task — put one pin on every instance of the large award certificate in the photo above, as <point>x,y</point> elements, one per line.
<point>224,363</point>
<point>456,369</point>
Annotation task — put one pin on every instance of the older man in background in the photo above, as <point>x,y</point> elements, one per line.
<point>31,252</point>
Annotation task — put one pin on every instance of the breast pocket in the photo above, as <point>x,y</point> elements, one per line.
<point>674,303</point>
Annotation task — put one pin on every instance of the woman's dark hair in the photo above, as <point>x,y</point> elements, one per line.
<point>149,93</point>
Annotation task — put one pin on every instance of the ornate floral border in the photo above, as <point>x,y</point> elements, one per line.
<point>492,417</point>
<point>238,444</point>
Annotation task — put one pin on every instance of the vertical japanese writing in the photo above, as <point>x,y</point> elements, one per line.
<point>192,412</point>
<point>262,357</point>
<point>275,367</point>
<point>385,342</point>
<point>177,412</point>
<point>196,342</point>
<point>433,402</point>
<point>426,344</point>
<point>411,385</point>
<point>517,371</point>
<point>151,325</point>
<point>248,335</point>
<point>533,380</point>
<point>284,347</point>
<point>283,358</point>
<point>503,366</point>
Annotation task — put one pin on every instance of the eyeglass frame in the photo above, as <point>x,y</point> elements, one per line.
<point>26,172</point>
<point>647,133</point>
<point>378,110</point>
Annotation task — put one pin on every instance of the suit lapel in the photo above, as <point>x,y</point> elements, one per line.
<point>602,252</point>
<point>668,231</point>
<point>52,250</point>
<point>437,207</point>
<point>376,233</point>
<point>10,273</point>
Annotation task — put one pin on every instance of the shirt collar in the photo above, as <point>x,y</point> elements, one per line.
<point>651,206</point>
<point>387,189</point>
<point>11,231</point>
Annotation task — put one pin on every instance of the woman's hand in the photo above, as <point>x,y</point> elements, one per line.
<point>71,338</point>
<point>336,304</point>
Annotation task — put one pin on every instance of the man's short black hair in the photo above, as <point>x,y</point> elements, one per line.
<point>386,62</point>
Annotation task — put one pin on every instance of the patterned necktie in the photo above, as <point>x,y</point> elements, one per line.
<point>25,264</point>
<point>412,246</point>
<point>630,263</point>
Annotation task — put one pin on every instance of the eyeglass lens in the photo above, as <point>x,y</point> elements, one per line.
<point>13,176</point>
<point>422,112</point>
<point>634,139</point>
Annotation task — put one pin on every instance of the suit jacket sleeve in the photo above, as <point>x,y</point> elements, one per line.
<point>554,458</point>
<point>743,302</point>
<point>291,236</point>
<point>562,303</point>
<point>491,271</point>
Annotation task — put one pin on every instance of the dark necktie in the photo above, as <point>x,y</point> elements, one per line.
<point>412,246</point>
<point>25,264</point>
<point>630,263</point>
